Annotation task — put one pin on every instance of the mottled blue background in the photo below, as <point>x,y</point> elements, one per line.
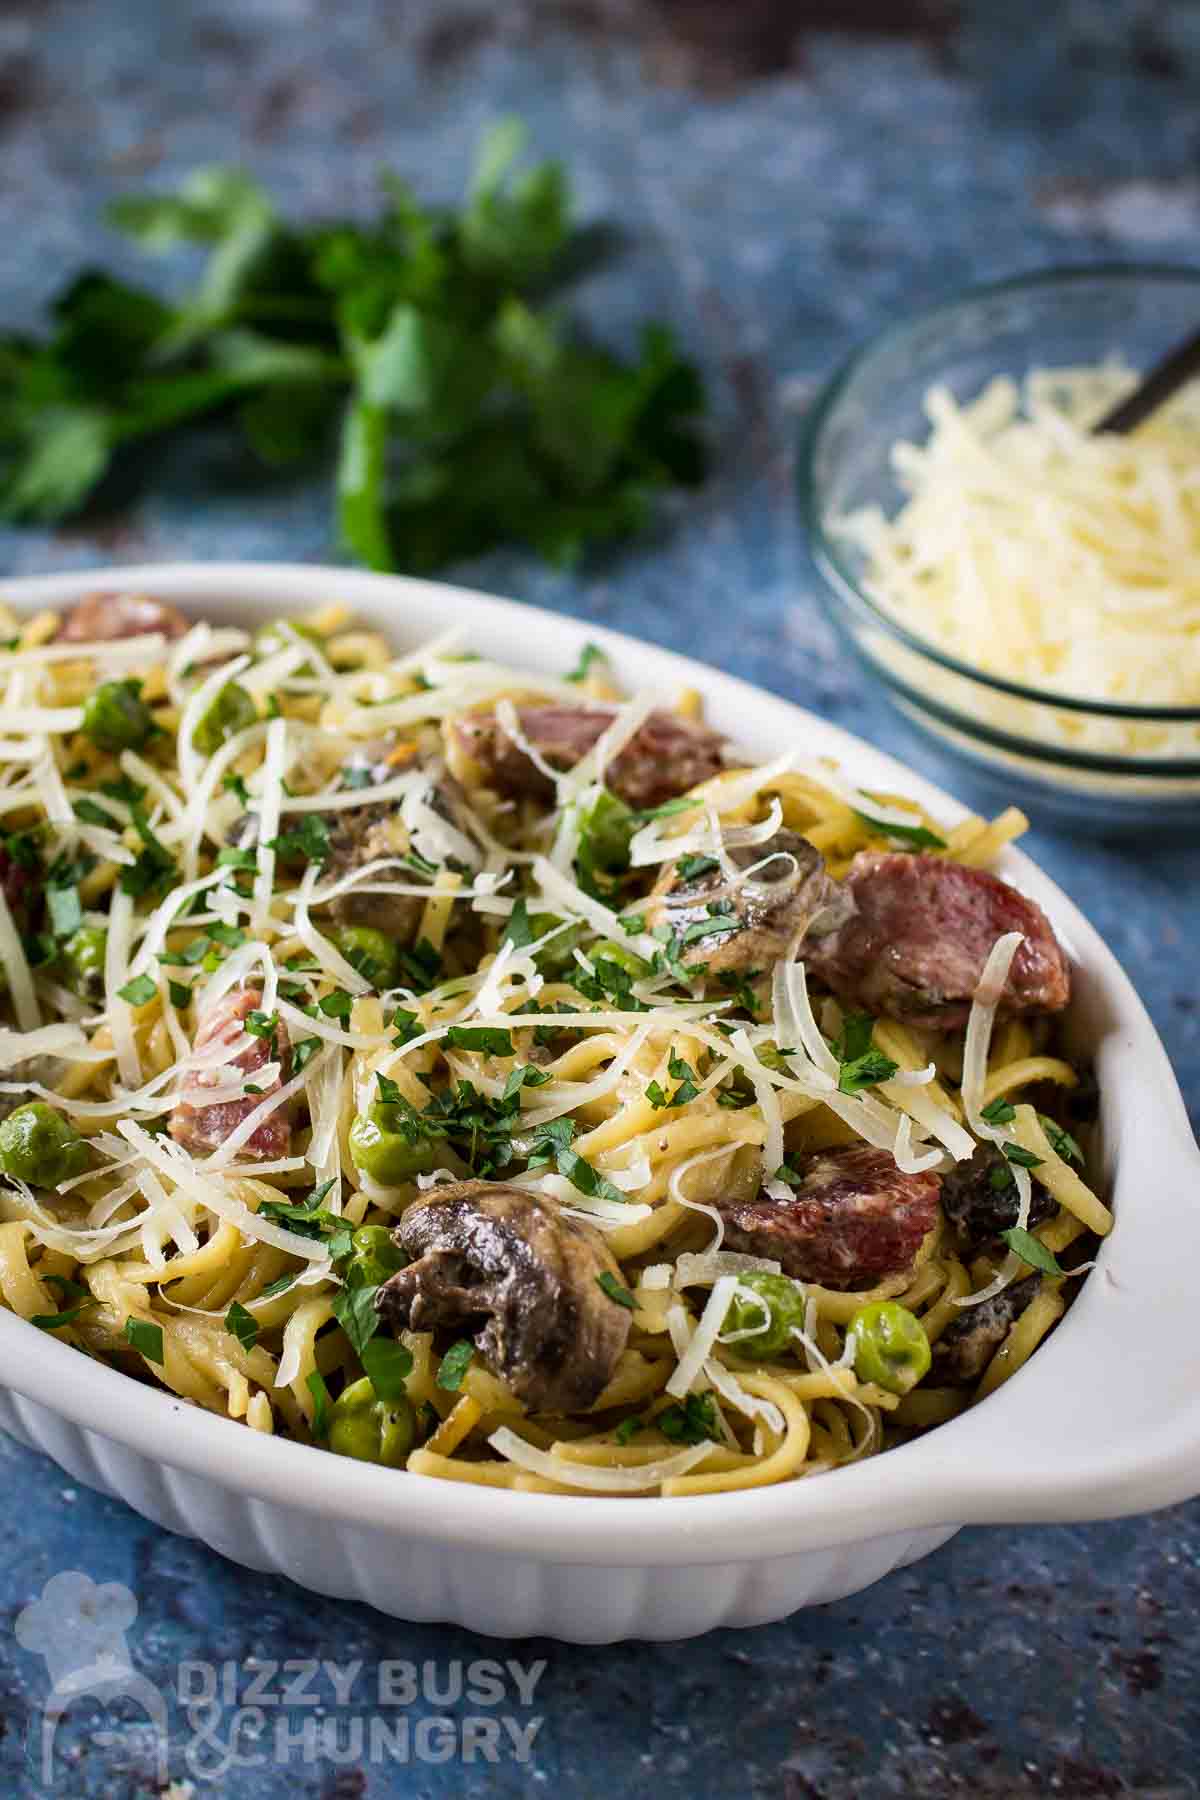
<point>783,189</point>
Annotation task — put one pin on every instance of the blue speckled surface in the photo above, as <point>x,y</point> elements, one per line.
<point>773,221</point>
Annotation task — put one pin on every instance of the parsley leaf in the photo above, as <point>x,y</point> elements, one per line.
<point>65,910</point>
<point>613,1288</point>
<point>321,1403</point>
<point>388,1365</point>
<point>453,1366</point>
<point>1060,1141</point>
<point>518,932</point>
<point>916,837</point>
<point>999,1111</point>
<point>490,1039</point>
<point>552,1144</point>
<point>692,1423</point>
<point>591,653</point>
<point>140,991</point>
<point>146,1338</point>
<point>1032,1251</point>
<point>307,841</point>
<point>863,1064</point>
<point>242,1325</point>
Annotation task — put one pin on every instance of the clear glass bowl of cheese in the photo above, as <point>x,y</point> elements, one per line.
<point>1027,590</point>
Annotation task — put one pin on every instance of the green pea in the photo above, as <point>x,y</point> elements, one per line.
<point>636,967</point>
<point>554,959</point>
<point>373,1258</point>
<point>83,960</point>
<point>381,1149</point>
<point>371,1430</point>
<point>116,717</point>
<point>41,1146</point>
<point>890,1346</point>
<point>230,710</point>
<point>786,1300</point>
<point>374,955</point>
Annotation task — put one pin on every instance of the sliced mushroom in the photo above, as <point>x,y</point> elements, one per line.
<point>967,1345</point>
<point>853,1219</point>
<point>747,923</point>
<point>506,1268</point>
<point>980,1200</point>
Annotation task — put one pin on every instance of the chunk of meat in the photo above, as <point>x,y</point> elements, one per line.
<point>202,1128</point>
<point>103,618</point>
<point>853,1220</point>
<point>665,757</point>
<point>968,1344</point>
<point>980,1200</point>
<point>769,914</point>
<point>428,822</point>
<point>920,935</point>
<point>504,1266</point>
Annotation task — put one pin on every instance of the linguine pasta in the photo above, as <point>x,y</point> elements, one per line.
<point>312,959</point>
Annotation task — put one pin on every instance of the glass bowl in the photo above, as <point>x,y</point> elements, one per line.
<point>1086,762</point>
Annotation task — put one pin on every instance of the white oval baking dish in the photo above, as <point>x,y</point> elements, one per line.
<point>1104,1420</point>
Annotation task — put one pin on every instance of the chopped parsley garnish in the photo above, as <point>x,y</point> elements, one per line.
<point>154,873</point>
<point>140,991</point>
<point>305,1216</point>
<point>552,1144</point>
<point>1060,1141</point>
<point>602,854</point>
<point>518,932</point>
<point>337,1005</point>
<point>692,1423</point>
<point>691,867</point>
<point>687,1090</point>
<point>453,1366</point>
<point>303,1053</point>
<point>1032,1251</point>
<point>716,925</point>
<point>242,1325</point>
<point>668,809</point>
<point>306,841</point>
<point>628,1429</point>
<point>490,1039</point>
<point>591,653</point>
<point>322,1404</point>
<point>73,1291</point>
<point>230,858</point>
<point>421,967</point>
<point>147,1339</point>
<point>999,1111</point>
<point>235,784</point>
<point>1016,1153</point>
<point>863,1064</point>
<point>526,1075</point>
<point>180,993</point>
<point>125,790</point>
<point>407,1026</point>
<point>388,1366</point>
<point>916,837</point>
<point>92,814</point>
<point>613,1288</point>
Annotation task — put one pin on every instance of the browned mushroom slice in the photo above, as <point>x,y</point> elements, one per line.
<point>980,1200</point>
<point>853,1219</point>
<point>105,618</point>
<point>665,757</point>
<point>726,924</point>
<point>965,1348</point>
<point>505,1267</point>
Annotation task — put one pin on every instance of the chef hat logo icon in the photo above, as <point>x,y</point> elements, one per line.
<point>78,1627</point>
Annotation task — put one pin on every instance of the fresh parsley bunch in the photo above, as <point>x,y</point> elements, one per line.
<point>416,349</point>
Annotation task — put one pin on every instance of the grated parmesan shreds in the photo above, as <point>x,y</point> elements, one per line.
<point>1065,561</point>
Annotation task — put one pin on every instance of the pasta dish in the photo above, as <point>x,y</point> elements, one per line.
<point>501,1078</point>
